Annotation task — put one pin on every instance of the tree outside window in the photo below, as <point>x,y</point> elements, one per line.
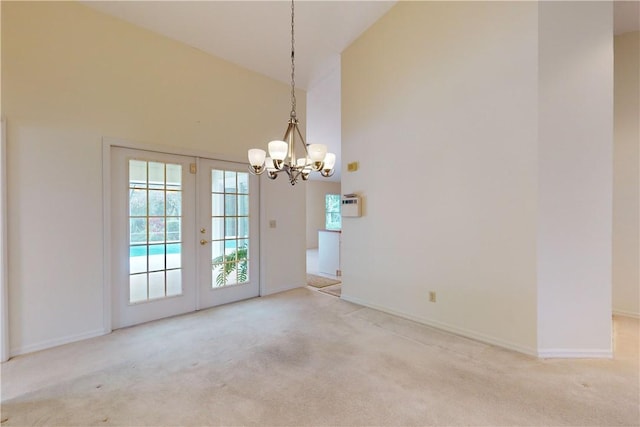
<point>333,219</point>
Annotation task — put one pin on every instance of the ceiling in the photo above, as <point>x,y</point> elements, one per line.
<point>256,34</point>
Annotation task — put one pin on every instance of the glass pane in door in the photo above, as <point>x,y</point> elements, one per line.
<point>155,235</point>
<point>230,228</point>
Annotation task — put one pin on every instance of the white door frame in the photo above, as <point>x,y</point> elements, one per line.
<point>107,144</point>
<point>4,284</point>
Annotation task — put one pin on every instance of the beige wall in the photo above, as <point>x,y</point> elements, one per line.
<point>71,76</point>
<point>626,184</point>
<point>323,126</point>
<point>316,192</point>
<point>465,118</point>
<point>323,112</point>
<point>575,178</point>
<point>439,109</point>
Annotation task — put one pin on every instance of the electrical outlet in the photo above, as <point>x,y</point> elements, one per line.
<point>432,296</point>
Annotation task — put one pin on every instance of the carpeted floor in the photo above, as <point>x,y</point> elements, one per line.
<point>300,358</point>
<point>319,281</point>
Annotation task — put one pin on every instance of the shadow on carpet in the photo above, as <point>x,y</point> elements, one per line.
<point>335,290</point>
<point>319,281</point>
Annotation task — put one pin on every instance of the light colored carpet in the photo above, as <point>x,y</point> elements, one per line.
<point>300,358</point>
<point>319,281</point>
<point>335,290</point>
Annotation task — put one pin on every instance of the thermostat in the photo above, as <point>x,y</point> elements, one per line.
<point>351,205</point>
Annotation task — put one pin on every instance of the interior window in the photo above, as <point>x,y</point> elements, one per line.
<point>333,220</point>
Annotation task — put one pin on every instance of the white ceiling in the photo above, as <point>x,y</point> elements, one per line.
<point>256,34</point>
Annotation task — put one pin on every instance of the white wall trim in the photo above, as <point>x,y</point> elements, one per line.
<point>165,149</point>
<point>4,266</point>
<point>106,237</point>
<point>43,345</point>
<point>467,333</point>
<point>626,313</point>
<point>574,353</point>
<point>196,213</point>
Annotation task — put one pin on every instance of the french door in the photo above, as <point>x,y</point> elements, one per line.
<point>184,235</point>
<point>228,233</point>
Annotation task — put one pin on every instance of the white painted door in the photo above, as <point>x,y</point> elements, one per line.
<point>228,222</point>
<point>153,201</point>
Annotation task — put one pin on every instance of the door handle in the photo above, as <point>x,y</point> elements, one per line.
<point>203,242</point>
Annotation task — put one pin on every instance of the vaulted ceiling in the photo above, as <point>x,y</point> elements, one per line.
<point>255,34</point>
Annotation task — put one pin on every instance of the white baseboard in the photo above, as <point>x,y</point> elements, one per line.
<point>43,345</point>
<point>626,313</point>
<point>570,353</point>
<point>448,328</point>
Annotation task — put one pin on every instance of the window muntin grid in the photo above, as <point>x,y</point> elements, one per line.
<point>155,230</point>
<point>229,228</point>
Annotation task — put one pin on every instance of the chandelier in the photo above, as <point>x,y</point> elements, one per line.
<point>282,154</point>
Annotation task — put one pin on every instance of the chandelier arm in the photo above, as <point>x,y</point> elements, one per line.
<point>292,144</point>
<point>288,171</point>
<point>256,170</point>
<point>287,132</point>
<point>294,176</point>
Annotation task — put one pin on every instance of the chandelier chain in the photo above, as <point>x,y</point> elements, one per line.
<point>283,156</point>
<point>293,65</point>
